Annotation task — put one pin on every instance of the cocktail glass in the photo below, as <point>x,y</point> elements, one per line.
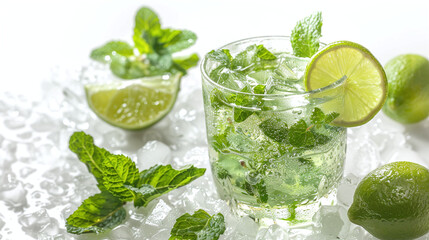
<point>272,155</point>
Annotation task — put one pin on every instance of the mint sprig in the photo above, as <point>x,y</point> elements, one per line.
<point>306,34</point>
<point>119,181</point>
<point>152,53</point>
<point>199,225</point>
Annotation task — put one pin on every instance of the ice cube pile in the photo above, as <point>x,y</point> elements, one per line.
<point>42,182</point>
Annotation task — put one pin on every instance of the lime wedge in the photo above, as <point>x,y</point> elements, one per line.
<point>365,88</point>
<point>134,104</point>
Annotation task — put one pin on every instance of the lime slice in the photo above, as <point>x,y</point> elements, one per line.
<point>134,104</point>
<point>364,91</point>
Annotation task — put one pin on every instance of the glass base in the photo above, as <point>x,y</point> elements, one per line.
<point>288,216</point>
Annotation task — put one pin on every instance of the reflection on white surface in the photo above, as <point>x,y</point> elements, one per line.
<point>43,182</point>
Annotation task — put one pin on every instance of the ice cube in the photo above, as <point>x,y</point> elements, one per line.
<point>2,222</point>
<point>53,188</point>
<point>33,223</point>
<point>121,232</point>
<point>115,139</point>
<point>332,221</point>
<point>25,151</point>
<point>163,234</point>
<point>245,59</point>
<point>152,153</point>
<point>159,213</point>
<point>15,122</point>
<point>197,156</point>
<point>346,189</point>
<point>240,228</point>
<point>362,157</point>
<point>15,198</point>
<point>44,123</point>
<point>8,181</point>
<point>273,232</point>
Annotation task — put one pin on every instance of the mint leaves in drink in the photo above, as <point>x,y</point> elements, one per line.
<point>199,225</point>
<point>119,181</point>
<point>305,36</point>
<point>301,134</point>
<point>152,52</point>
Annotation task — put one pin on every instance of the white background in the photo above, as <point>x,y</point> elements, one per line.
<point>36,36</point>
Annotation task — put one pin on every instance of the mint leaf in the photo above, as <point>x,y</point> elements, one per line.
<point>221,172</point>
<point>331,117</point>
<point>163,179</point>
<point>127,68</point>
<point>160,63</point>
<point>177,40</point>
<point>187,62</point>
<point>120,170</point>
<point>105,53</point>
<point>263,53</point>
<point>147,27</point>
<point>96,214</point>
<point>198,226</point>
<point>119,181</point>
<point>259,89</point>
<point>299,135</point>
<point>220,141</point>
<point>318,117</point>
<point>275,129</point>
<point>93,156</point>
<point>245,58</point>
<point>222,56</point>
<point>241,114</point>
<point>305,36</point>
<point>255,185</point>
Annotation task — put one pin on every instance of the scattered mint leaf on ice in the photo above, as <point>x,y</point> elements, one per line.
<point>162,179</point>
<point>305,36</point>
<point>93,156</point>
<point>198,226</point>
<point>119,171</point>
<point>96,214</point>
<point>120,182</point>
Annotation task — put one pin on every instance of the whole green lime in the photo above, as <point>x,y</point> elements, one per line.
<point>408,95</point>
<point>392,202</point>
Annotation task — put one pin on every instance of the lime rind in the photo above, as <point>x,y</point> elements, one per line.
<point>364,91</point>
<point>134,104</point>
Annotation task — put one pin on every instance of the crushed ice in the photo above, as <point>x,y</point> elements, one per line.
<point>42,182</point>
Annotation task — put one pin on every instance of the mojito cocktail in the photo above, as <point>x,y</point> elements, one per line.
<point>273,149</point>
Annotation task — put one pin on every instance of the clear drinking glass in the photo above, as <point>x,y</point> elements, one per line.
<point>263,161</point>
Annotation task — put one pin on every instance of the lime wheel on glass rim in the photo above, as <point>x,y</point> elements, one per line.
<point>134,104</point>
<point>364,90</point>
